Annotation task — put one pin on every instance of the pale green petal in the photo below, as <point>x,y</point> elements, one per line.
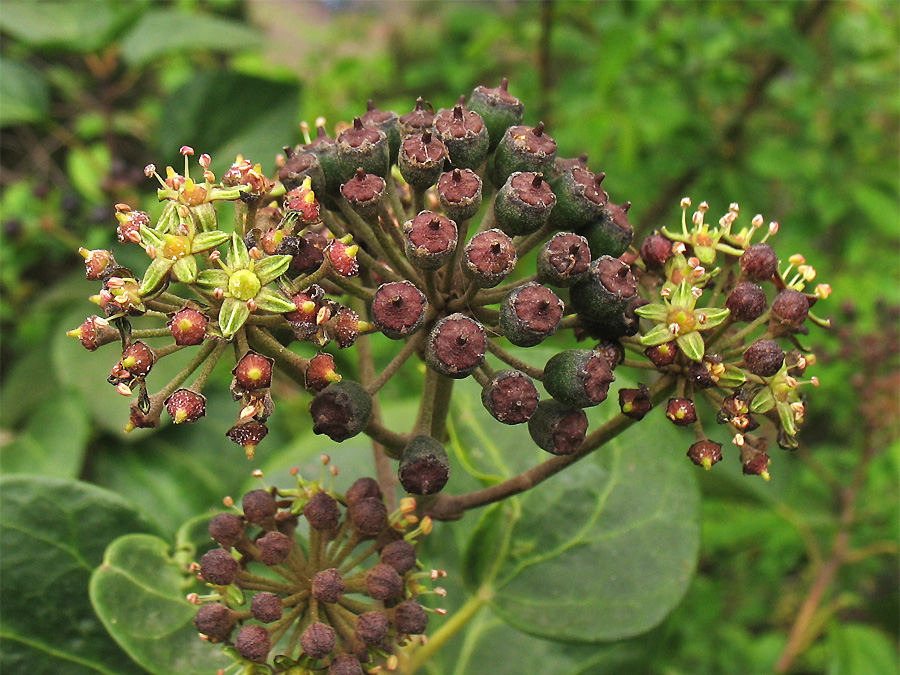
<point>273,301</point>
<point>705,254</point>
<point>207,240</point>
<point>682,298</point>
<point>658,335</point>
<point>692,345</point>
<point>232,316</point>
<point>271,267</point>
<point>714,316</point>
<point>763,402</point>
<point>210,279</point>
<point>732,378</point>
<point>156,274</point>
<point>655,312</point>
<point>185,269</point>
<point>786,415</point>
<point>151,237</point>
<point>237,258</point>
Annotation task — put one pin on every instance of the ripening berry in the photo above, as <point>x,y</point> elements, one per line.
<point>410,618</point>
<point>604,292</point>
<point>424,466</point>
<point>386,120</point>
<point>274,548</point>
<point>746,302</point>
<point>456,346</point>
<point>421,159</point>
<point>259,506</point>
<point>322,511</point>
<point>215,621</point>
<point>510,397</point>
<point>529,314</point>
<point>345,664</point>
<point>188,327</point>
<point>318,640</point>
<point>363,488</point>
<point>227,529</point>
<point>418,120</point>
<point>705,453</point>
<point>429,239</point>
<point>489,257</point>
<point>558,428</point>
<point>341,410</point>
<point>368,516</point>
<point>298,167</point>
<point>523,204</point>
<point>681,411</point>
<point>464,135</point>
<point>635,403</point>
<point>498,108</point>
<point>580,198</point>
<point>328,586</point>
<point>580,378</point>
<point>253,643</point>
<point>365,193</point>
<point>371,627</point>
<point>186,406</point>
<point>363,145</point>
<point>383,583</point>
<point>522,148</point>
<point>764,358</point>
<point>400,554</point>
<point>563,260</point>
<point>759,263</point>
<point>398,309</point>
<point>611,234</point>
<point>218,567</point>
<point>266,607</point>
<point>459,192</point>
<point>253,371</point>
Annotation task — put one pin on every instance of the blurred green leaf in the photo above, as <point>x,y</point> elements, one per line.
<point>139,594</point>
<point>87,168</point>
<point>79,26</point>
<point>857,648</point>
<point>598,553</point>
<point>167,31</point>
<point>54,533</point>
<point>23,94</point>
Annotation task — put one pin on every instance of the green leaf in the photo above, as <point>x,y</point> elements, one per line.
<point>87,168</point>
<point>857,648</point>
<point>657,335</point>
<point>207,240</point>
<point>168,31</point>
<point>23,94</point>
<point>82,27</point>
<point>232,316</point>
<point>269,300</point>
<point>139,594</point>
<point>54,449</point>
<point>654,312</point>
<point>211,279</point>
<point>185,269</point>
<point>692,345</point>
<point>599,553</point>
<point>54,533</point>
<point>270,268</point>
<point>156,274</point>
<point>237,257</point>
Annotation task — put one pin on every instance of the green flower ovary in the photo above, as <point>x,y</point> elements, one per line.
<point>244,285</point>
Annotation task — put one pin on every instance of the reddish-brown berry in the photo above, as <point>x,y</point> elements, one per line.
<point>383,583</point>
<point>274,548</point>
<point>746,302</point>
<point>759,262</point>
<point>398,309</point>
<point>328,586</point>
<point>218,567</point>
<point>188,327</point>
<point>266,607</point>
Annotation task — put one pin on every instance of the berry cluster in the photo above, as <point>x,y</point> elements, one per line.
<point>338,598</point>
<point>416,227</point>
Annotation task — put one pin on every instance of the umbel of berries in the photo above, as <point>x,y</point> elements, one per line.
<point>445,242</point>
<point>345,598</point>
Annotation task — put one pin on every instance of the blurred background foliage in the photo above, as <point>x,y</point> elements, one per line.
<point>789,108</point>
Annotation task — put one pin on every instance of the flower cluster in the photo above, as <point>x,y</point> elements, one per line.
<point>415,227</point>
<point>339,597</point>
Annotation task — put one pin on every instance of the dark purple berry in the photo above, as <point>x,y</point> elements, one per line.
<point>790,308</point>
<point>371,627</point>
<point>266,607</point>
<point>655,251</point>
<point>424,466</point>
<point>635,403</point>
<point>456,346</point>
<point>410,618</point>
<point>259,506</point>
<point>489,257</point>
<point>764,358</point>
<point>557,428</point>
<point>328,586</point>
<point>759,263</point>
<point>510,397</point>
<point>218,567</point>
<point>215,621</point>
<point>563,260</point>
<point>363,488</point>
<point>459,192</point>
<point>746,302</point>
<point>274,548</point>
<point>578,378</point>
<point>322,511</point>
<point>253,643</point>
<point>681,411</point>
<point>383,583</point>
<point>227,529</point>
<point>399,554</point>
<point>368,515</point>
<point>188,327</point>
<point>398,309</point>
<point>318,640</point>
<point>341,410</point>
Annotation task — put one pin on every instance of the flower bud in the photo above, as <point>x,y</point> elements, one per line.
<point>259,506</point>
<point>215,621</point>
<point>399,554</point>
<point>655,251</point>
<point>635,403</point>
<point>218,567</point>
<point>274,548</point>
<point>459,192</point>
<point>557,428</point>
<point>498,108</point>
<point>322,511</point>
<point>363,488</point>
<point>383,583</point>
<point>523,204</point>
<point>790,309</point>
<point>529,314</point>
<point>563,260</point>
<point>345,664</point>
<point>465,136</point>
<point>424,466</point>
<point>328,586</point>
<point>341,410</point>
<point>227,529</point>
<point>318,640</point>
<point>764,358</point>
<point>604,291</point>
<point>421,159</point>
<point>368,515</point>
<point>363,146</point>
<point>371,627</point>
<point>510,397</point>
<point>746,302</point>
<point>410,618</point>
<point>430,239</point>
<point>456,346</point>
<point>759,263</point>
<point>266,607</point>
<point>398,309</point>
<point>253,643</point>
<point>578,378</point>
<point>489,257</point>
